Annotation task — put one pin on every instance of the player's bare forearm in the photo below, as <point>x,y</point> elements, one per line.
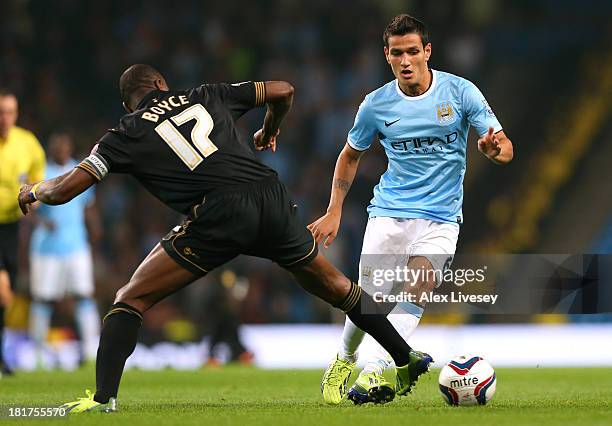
<point>279,97</point>
<point>326,227</point>
<point>344,174</point>
<point>55,191</point>
<point>64,188</point>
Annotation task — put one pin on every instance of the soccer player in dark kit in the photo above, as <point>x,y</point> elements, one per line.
<point>184,148</point>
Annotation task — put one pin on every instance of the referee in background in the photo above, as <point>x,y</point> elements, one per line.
<point>22,160</point>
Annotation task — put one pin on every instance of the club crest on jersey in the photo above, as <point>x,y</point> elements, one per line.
<point>445,113</point>
<point>488,109</point>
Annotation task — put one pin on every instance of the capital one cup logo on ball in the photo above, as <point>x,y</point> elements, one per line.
<point>467,381</point>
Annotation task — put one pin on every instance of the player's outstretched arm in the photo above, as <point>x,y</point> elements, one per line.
<point>326,227</point>
<point>496,147</point>
<point>55,191</point>
<point>279,97</point>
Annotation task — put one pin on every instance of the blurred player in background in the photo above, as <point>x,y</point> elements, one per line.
<point>223,308</point>
<point>183,147</point>
<point>22,160</point>
<point>422,119</point>
<point>60,257</point>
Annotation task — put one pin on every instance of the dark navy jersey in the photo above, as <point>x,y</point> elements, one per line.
<point>180,145</point>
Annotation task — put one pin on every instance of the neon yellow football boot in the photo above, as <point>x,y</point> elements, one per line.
<point>371,387</point>
<point>335,381</point>
<point>87,404</point>
<point>408,375</point>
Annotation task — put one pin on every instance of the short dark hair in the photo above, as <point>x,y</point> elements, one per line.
<point>6,92</point>
<point>136,78</point>
<point>58,134</point>
<point>405,24</point>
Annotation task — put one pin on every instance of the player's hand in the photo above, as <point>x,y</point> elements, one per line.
<point>489,144</point>
<point>26,198</point>
<point>325,228</point>
<point>263,142</point>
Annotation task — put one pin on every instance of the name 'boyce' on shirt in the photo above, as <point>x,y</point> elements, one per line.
<point>160,108</point>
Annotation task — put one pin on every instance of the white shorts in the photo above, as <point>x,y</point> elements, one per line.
<point>54,277</point>
<point>390,242</point>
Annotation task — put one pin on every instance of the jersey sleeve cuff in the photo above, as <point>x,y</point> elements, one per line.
<point>260,93</point>
<point>496,129</point>
<point>354,146</point>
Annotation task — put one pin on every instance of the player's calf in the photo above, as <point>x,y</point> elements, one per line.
<point>322,279</point>
<point>117,342</point>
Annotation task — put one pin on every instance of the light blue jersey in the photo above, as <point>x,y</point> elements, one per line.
<point>69,234</point>
<point>425,139</point>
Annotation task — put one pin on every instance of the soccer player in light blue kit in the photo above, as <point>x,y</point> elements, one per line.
<point>422,119</point>
<point>60,257</point>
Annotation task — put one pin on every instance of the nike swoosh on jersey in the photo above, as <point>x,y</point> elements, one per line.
<point>387,124</point>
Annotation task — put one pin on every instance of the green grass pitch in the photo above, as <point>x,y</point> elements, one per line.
<point>248,396</point>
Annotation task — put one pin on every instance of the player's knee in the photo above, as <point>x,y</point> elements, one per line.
<point>427,286</point>
<point>121,294</point>
<point>127,295</point>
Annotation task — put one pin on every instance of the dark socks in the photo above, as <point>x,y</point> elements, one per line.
<point>372,318</point>
<point>117,342</point>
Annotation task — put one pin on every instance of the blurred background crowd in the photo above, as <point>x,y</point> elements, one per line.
<point>545,67</point>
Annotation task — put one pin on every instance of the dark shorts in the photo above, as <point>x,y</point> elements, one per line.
<point>8,250</point>
<point>257,219</point>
